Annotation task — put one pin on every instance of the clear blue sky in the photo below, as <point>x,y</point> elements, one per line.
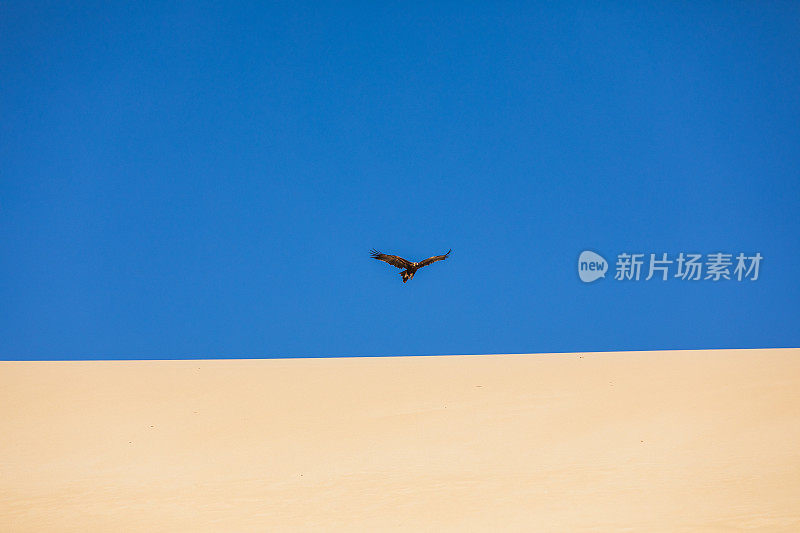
<point>181,181</point>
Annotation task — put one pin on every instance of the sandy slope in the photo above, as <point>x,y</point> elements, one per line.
<point>648,441</point>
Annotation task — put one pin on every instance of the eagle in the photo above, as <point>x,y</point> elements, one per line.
<point>409,266</point>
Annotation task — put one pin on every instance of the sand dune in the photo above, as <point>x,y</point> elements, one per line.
<point>636,441</point>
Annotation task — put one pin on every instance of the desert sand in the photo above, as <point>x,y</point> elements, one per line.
<point>634,441</point>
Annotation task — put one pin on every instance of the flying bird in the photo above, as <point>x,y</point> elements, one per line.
<point>409,266</point>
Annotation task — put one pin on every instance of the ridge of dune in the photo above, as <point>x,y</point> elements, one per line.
<point>703,440</point>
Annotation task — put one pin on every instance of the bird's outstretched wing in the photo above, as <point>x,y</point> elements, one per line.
<point>393,260</point>
<point>433,259</point>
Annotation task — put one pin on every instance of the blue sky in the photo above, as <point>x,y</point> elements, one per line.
<point>181,181</point>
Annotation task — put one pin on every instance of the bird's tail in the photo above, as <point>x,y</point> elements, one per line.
<point>406,275</point>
